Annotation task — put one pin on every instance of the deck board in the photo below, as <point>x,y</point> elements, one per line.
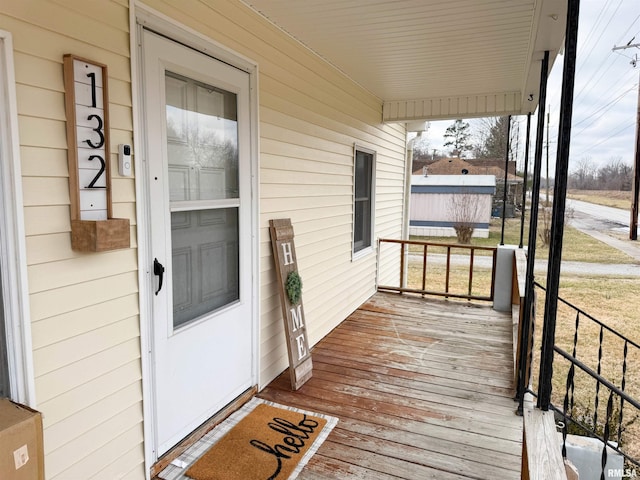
<point>422,388</point>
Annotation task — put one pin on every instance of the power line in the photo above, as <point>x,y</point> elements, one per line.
<point>594,27</point>
<point>610,137</point>
<point>606,13</point>
<point>590,84</point>
<point>624,35</point>
<point>601,33</point>
<point>606,108</point>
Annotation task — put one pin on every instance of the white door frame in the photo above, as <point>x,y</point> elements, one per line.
<point>142,16</point>
<point>12,237</point>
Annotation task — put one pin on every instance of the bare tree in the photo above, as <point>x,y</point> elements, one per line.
<point>544,218</point>
<point>421,148</point>
<point>584,175</point>
<point>491,138</point>
<point>544,221</point>
<point>465,212</point>
<point>615,175</point>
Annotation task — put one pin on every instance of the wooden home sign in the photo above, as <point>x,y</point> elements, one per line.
<point>290,286</point>
<point>87,108</point>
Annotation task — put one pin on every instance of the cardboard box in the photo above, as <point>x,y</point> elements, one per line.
<point>21,449</point>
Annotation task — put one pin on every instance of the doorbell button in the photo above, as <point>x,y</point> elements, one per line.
<point>124,160</point>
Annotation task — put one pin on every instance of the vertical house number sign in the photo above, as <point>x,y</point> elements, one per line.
<point>284,254</point>
<point>87,102</point>
<point>92,136</point>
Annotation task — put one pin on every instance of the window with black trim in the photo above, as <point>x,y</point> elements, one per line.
<point>363,200</point>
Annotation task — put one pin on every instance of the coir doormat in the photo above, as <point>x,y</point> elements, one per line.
<point>261,441</point>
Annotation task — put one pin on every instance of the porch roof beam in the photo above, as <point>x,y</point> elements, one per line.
<point>463,106</point>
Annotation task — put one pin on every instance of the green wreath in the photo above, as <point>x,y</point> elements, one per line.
<point>293,286</point>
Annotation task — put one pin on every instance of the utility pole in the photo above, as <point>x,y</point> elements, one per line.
<point>633,223</point>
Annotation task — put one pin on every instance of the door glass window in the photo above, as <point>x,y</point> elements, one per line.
<point>202,140</point>
<point>202,151</point>
<point>205,262</point>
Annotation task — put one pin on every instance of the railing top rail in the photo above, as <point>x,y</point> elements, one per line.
<point>438,244</point>
<point>603,325</point>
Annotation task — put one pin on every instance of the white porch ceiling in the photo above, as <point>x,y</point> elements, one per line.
<point>431,59</point>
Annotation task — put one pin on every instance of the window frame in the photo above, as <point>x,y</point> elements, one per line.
<point>357,250</point>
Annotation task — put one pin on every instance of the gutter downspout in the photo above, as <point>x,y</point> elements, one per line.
<point>407,187</point>
<point>506,183</point>
<point>407,203</point>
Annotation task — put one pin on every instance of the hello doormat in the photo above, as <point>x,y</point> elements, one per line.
<point>261,441</point>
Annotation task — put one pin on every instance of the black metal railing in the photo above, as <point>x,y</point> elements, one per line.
<point>614,407</point>
<point>418,261</point>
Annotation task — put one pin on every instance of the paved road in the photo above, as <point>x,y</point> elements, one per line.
<point>606,224</point>
<point>616,218</point>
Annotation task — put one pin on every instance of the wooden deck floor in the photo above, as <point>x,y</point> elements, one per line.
<point>422,389</point>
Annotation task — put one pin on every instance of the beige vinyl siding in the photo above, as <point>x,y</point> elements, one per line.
<point>84,307</point>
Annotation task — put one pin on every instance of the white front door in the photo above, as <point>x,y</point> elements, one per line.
<point>198,168</point>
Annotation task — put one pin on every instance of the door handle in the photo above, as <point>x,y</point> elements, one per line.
<point>158,269</point>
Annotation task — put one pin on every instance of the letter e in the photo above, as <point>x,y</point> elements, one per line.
<point>302,349</point>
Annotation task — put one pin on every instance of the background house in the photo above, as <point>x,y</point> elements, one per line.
<point>457,166</point>
<point>439,202</point>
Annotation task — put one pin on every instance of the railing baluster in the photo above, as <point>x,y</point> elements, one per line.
<point>597,401</point>
<point>567,408</point>
<point>402,282</point>
<point>570,391</point>
<point>471,270</point>
<point>622,386</point>
<point>493,274</point>
<point>424,268</point>
<point>606,435</point>
<point>446,284</point>
<point>575,344</point>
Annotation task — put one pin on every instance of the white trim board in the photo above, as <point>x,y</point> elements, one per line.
<point>12,237</point>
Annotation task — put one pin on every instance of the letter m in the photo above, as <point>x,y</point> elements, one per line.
<point>296,317</point>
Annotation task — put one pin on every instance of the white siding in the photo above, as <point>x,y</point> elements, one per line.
<point>85,306</point>
<point>437,207</point>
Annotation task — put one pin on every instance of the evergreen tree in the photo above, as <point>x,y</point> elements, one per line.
<point>458,137</point>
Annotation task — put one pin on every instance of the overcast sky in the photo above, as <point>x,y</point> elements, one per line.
<point>606,88</point>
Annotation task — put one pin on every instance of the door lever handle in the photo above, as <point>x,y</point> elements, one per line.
<point>158,269</point>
